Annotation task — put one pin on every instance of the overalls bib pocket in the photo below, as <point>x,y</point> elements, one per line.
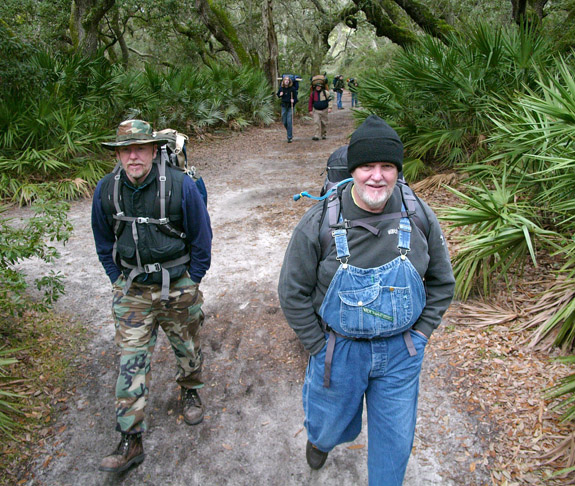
<point>375,310</point>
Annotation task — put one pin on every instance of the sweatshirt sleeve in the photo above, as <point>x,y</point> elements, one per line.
<point>198,230</point>
<point>103,236</point>
<point>298,278</point>
<point>439,279</point>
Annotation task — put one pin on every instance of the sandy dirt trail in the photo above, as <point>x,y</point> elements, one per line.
<point>254,365</point>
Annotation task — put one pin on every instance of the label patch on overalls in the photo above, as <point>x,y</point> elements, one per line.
<point>375,313</point>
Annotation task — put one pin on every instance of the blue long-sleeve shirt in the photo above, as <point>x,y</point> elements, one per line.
<point>196,224</point>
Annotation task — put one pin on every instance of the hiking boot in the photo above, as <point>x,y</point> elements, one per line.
<point>130,451</point>
<point>289,140</point>
<point>324,137</point>
<point>315,138</point>
<point>192,408</point>
<point>315,458</point>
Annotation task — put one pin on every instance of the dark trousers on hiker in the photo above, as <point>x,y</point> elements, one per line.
<point>382,371</point>
<point>287,120</point>
<point>138,316</point>
<point>320,123</point>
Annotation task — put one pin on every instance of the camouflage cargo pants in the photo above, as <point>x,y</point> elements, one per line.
<point>138,315</point>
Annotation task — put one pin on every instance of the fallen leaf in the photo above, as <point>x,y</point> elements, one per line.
<point>356,446</point>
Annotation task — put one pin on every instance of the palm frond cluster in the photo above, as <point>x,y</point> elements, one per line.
<point>440,94</point>
<point>496,106</point>
<point>50,132</point>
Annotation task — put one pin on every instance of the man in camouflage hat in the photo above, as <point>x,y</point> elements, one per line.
<point>155,262</point>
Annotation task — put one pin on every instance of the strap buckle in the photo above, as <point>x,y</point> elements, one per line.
<point>342,225</point>
<point>163,220</point>
<point>142,220</point>
<point>152,267</point>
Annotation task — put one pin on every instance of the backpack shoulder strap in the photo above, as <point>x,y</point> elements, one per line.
<point>415,208</point>
<point>165,181</point>
<point>331,216</point>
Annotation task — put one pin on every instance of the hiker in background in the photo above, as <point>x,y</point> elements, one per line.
<point>319,105</point>
<point>338,85</point>
<point>352,85</point>
<point>287,92</point>
<point>365,306</point>
<point>155,268</point>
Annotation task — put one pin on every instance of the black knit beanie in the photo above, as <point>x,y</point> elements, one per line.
<point>374,141</point>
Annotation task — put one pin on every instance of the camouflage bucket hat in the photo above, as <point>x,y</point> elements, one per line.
<point>134,132</point>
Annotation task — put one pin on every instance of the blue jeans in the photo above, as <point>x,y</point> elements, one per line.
<point>353,99</point>
<point>339,95</point>
<point>383,371</point>
<point>287,120</point>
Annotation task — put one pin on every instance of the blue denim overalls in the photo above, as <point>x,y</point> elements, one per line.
<point>378,357</point>
<point>372,303</point>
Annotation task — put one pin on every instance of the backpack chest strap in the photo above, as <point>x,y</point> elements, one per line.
<point>339,232</point>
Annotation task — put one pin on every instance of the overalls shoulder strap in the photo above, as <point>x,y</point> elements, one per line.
<point>336,222</point>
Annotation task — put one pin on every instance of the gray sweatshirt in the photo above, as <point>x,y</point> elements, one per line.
<point>305,277</point>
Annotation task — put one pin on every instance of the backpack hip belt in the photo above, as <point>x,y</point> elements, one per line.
<point>152,268</point>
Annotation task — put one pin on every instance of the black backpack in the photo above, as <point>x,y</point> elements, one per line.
<point>337,177</point>
<point>336,169</point>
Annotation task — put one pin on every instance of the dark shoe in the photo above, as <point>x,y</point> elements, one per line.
<point>130,451</point>
<point>315,458</point>
<point>315,138</point>
<point>192,408</point>
<point>289,140</point>
<point>323,137</point>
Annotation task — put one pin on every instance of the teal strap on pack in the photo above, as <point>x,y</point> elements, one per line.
<point>297,197</point>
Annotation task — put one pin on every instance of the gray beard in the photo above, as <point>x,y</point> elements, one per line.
<point>378,203</point>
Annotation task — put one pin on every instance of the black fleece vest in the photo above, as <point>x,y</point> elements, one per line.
<point>154,245</point>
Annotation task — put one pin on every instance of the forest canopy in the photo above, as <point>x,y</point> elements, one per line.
<point>274,35</point>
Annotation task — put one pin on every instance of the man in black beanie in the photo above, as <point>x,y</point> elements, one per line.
<point>365,305</point>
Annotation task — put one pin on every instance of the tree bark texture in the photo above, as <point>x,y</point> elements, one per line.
<point>384,27</point>
<point>520,13</point>
<point>118,31</point>
<point>518,10</point>
<point>271,62</point>
<point>84,21</point>
<point>423,17</point>
<point>222,29</point>
<point>386,17</point>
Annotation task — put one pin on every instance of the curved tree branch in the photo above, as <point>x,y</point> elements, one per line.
<point>222,29</point>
